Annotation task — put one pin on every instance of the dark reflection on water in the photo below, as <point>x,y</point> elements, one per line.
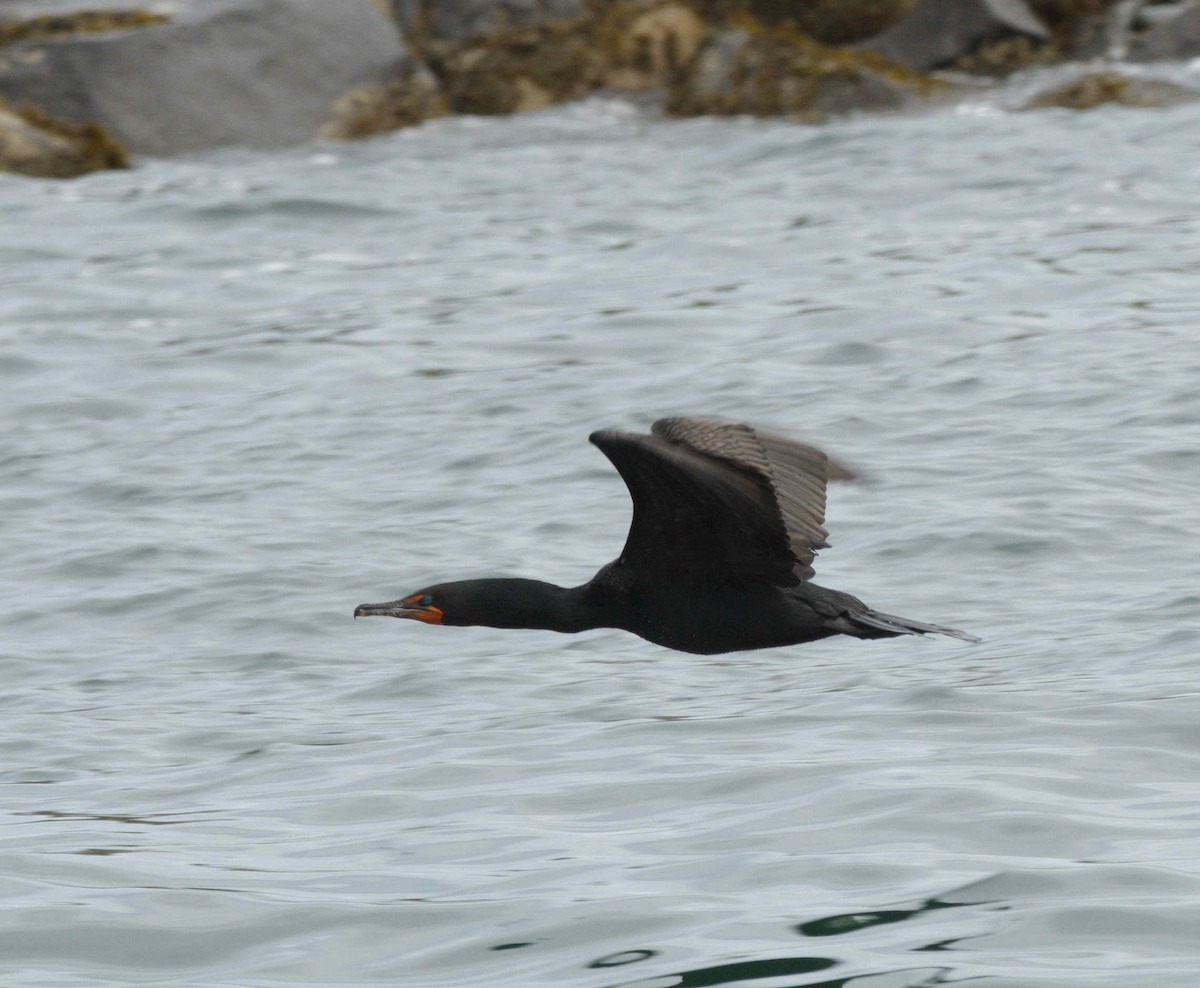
<point>156,821</point>
<point>623,958</point>
<point>742,971</point>
<point>728,974</point>
<point>782,967</point>
<point>831,926</point>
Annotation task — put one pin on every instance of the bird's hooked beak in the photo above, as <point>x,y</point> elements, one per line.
<point>409,607</point>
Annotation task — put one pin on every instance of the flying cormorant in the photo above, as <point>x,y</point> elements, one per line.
<point>726,521</point>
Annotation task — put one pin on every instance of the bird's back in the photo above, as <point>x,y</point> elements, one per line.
<point>710,619</point>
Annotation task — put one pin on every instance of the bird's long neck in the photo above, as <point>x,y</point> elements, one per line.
<point>517,603</point>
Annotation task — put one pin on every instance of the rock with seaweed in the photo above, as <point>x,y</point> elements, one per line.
<point>459,20</point>
<point>621,46</point>
<point>522,69</point>
<point>780,72</point>
<point>832,22</point>
<point>646,46</point>
<point>1105,88</point>
<point>412,97</point>
<point>23,22</point>
<point>33,143</point>
<point>166,76</point>
<point>257,73</point>
<point>942,33</point>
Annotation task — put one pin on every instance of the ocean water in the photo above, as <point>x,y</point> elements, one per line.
<point>243,393</point>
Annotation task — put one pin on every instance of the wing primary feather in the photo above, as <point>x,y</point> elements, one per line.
<point>794,475</point>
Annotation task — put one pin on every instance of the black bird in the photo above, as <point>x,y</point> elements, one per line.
<point>726,521</point>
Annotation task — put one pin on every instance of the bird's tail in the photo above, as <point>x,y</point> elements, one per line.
<point>872,624</point>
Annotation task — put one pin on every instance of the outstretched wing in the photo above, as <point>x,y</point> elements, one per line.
<point>714,501</point>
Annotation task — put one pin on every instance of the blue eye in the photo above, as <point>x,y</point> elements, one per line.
<point>426,600</point>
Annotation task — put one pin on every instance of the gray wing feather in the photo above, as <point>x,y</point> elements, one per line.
<point>796,474</point>
<point>697,518</point>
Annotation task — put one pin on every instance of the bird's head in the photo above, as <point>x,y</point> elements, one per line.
<point>426,605</point>
<point>494,603</point>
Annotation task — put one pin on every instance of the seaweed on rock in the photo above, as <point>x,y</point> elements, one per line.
<point>36,144</point>
<point>781,72</point>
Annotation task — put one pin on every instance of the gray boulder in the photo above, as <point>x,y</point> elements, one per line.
<point>1175,38</point>
<point>938,32</point>
<point>261,73</point>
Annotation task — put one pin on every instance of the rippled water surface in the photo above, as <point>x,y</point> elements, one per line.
<point>243,393</point>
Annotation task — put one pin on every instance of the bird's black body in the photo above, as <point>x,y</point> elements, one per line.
<point>726,522</point>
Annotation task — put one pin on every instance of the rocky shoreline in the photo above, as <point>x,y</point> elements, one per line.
<point>87,86</point>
